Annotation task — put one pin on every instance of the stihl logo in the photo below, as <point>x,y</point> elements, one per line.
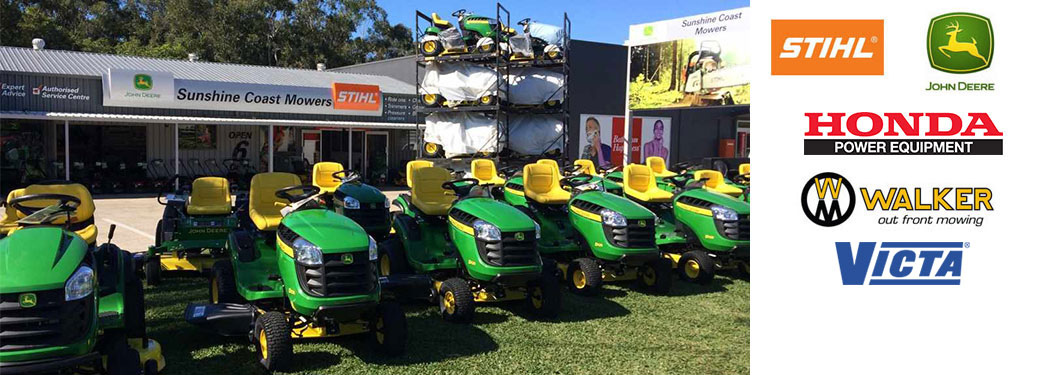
<point>356,97</point>
<point>828,47</point>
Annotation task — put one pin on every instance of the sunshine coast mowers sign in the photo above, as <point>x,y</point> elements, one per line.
<point>152,89</point>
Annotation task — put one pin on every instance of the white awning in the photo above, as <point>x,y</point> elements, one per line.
<point>141,119</point>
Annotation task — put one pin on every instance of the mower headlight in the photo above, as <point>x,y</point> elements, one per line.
<point>487,232</point>
<point>537,231</point>
<point>306,253</point>
<point>373,249</point>
<point>351,204</point>
<point>723,213</point>
<point>590,187</point>
<point>386,202</point>
<point>80,285</point>
<point>613,218</point>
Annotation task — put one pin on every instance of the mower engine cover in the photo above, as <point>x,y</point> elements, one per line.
<point>719,222</point>
<point>366,205</point>
<point>462,133</point>
<point>535,134</point>
<point>608,239</point>
<point>516,235</point>
<point>37,259</point>
<point>459,82</point>
<point>533,86</point>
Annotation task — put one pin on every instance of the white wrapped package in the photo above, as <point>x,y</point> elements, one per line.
<point>533,86</point>
<point>459,81</point>
<point>462,133</point>
<point>549,33</point>
<point>535,134</point>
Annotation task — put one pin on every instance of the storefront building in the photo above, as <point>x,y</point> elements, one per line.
<point>114,121</point>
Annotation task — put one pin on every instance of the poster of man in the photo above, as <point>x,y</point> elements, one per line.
<point>603,139</point>
<point>592,145</point>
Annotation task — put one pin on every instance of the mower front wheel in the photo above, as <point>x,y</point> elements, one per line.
<point>122,359</point>
<point>585,276</point>
<point>696,267</point>
<point>544,299</point>
<point>389,329</point>
<point>456,301</point>
<point>222,283</point>
<point>153,271</point>
<point>273,345</point>
<point>656,276</point>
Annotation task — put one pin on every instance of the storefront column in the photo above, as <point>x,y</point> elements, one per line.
<point>270,148</point>
<point>67,166</point>
<point>176,154</point>
<point>350,148</point>
<point>628,115</point>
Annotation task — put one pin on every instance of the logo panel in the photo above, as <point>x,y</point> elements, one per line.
<point>901,263</point>
<point>143,82</point>
<point>348,258</point>
<point>356,97</point>
<point>27,300</point>
<point>828,199</point>
<point>960,42</point>
<point>828,47</point>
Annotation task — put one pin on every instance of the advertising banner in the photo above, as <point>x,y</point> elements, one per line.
<point>150,89</point>
<point>602,138</point>
<point>197,137</point>
<point>701,60</point>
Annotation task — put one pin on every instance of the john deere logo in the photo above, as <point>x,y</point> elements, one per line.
<point>519,236</point>
<point>960,43</point>
<point>348,258</point>
<point>143,82</point>
<point>642,223</point>
<point>648,30</point>
<point>27,300</point>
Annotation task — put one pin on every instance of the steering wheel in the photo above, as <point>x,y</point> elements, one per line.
<point>577,180</point>
<point>609,170</point>
<point>508,171</point>
<point>461,186</point>
<point>345,176</point>
<point>524,21</point>
<point>683,165</point>
<point>573,169</point>
<point>63,200</point>
<point>306,191</point>
<point>458,13</point>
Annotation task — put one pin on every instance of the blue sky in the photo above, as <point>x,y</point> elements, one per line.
<point>596,20</point>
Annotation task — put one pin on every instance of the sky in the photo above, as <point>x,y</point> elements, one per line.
<point>603,21</point>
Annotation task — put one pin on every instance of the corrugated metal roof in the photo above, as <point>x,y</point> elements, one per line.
<point>27,60</point>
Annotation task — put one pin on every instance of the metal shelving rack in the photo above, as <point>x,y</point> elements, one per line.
<point>503,66</point>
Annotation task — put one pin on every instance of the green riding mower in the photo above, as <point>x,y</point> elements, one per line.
<point>699,229</point>
<point>297,270</point>
<point>194,228</point>
<point>68,305</point>
<point>344,192</point>
<point>593,236</point>
<point>475,34</point>
<point>710,179</point>
<point>474,248</point>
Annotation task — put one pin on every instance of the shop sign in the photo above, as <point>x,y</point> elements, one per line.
<point>7,89</point>
<point>60,93</point>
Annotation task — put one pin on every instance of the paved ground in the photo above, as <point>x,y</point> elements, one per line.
<point>136,218</point>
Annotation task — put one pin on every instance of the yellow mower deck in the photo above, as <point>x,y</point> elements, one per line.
<point>199,263</point>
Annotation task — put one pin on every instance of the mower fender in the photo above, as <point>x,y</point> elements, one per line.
<point>226,319</point>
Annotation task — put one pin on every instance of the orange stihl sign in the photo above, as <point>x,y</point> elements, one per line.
<point>356,97</point>
<point>828,47</point>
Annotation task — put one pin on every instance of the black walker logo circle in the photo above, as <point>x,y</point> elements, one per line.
<point>831,206</point>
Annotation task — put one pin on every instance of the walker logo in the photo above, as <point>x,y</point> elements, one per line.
<point>355,97</point>
<point>828,199</point>
<point>960,134</point>
<point>901,263</point>
<point>143,82</point>
<point>828,47</point>
<point>960,42</point>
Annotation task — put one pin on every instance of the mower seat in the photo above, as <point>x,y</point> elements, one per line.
<point>744,169</point>
<point>717,183</point>
<point>412,166</point>
<point>437,21</point>
<point>640,184</point>
<point>321,176</point>
<point>264,207</point>
<point>657,165</point>
<point>427,194</point>
<point>210,196</point>
<point>542,184</point>
<point>484,171</point>
<point>82,222</point>
<point>587,167</point>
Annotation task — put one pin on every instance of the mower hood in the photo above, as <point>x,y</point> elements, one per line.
<point>505,217</point>
<point>332,232</point>
<point>741,207</point>
<point>624,206</point>
<point>365,194</point>
<point>39,258</point>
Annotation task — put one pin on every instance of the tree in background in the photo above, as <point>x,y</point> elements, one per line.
<point>286,33</point>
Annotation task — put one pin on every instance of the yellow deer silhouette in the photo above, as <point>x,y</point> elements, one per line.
<point>954,46</point>
<point>141,82</point>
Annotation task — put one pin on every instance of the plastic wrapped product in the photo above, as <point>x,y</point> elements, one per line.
<point>462,133</point>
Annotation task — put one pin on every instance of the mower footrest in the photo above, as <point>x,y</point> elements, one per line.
<point>407,286</point>
<point>226,319</point>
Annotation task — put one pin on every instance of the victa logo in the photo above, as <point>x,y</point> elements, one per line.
<point>901,263</point>
<point>356,97</point>
<point>828,199</point>
<point>960,42</point>
<point>828,47</point>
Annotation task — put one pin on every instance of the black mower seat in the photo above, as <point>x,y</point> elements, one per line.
<point>210,196</point>
<point>82,220</point>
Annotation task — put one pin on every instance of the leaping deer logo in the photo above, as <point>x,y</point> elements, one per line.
<point>956,46</point>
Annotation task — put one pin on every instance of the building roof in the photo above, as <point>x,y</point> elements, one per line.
<point>400,68</point>
<point>73,63</point>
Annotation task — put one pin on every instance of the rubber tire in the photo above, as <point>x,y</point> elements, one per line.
<point>222,280</point>
<point>439,150</point>
<point>487,48</point>
<point>158,233</point>
<point>153,271</point>
<point>437,49</point>
<point>662,269</point>
<point>552,297</point>
<point>151,367</point>
<point>394,330</point>
<point>393,250</point>
<point>133,306</point>
<point>593,276</point>
<point>463,296</point>
<point>279,345</point>
<point>122,359</point>
<point>707,267</point>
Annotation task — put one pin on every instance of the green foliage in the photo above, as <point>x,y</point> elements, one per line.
<point>652,94</point>
<point>288,33</point>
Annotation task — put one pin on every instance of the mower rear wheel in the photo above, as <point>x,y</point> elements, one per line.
<point>121,358</point>
<point>697,267</point>
<point>153,271</point>
<point>431,48</point>
<point>585,276</point>
<point>133,306</point>
<point>456,301</point>
<point>389,330</point>
<point>544,299</point>
<point>222,283</point>
<point>656,276</point>
<point>432,100</point>
<point>391,258</point>
<point>273,343</point>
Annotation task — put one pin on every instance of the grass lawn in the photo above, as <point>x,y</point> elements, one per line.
<point>693,330</point>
